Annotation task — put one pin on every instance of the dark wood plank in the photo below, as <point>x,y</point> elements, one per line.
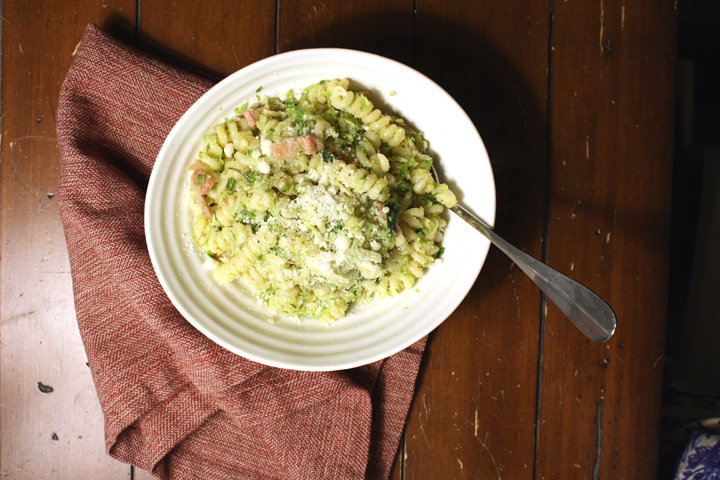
<point>376,26</point>
<point>474,411</point>
<point>58,434</point>
<point>212,37</point>
<point>474,414</point>
<point>612,100</point>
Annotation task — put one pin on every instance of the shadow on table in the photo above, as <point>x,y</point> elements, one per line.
<point>484,81</point>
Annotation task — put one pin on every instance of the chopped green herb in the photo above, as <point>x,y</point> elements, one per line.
<point>420,232</point>
<point>392,215</point>
<point>259,89</point>
<point>266,294</point>
<point>250,180</point>
<point>230,184</point>
<point>403,170</point>
<point>327,157</point>
<point>247,216</point>
<point>426,163</point>
<point>241,109</point>
<point>351,131</point>
<point>440,252</point>
<point>297,115</point>
<point>403,189</point>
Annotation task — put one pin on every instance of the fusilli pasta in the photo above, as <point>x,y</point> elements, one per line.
<point>318,200</point>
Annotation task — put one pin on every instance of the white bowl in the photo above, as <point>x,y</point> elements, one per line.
<point>231,315</point>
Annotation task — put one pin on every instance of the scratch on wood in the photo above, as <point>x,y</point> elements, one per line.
<point>596,470</point>
<point>573,208</point>
<point>587,147</point>
<point>420,422</point>
<point>657,361</point>
<point>320,10</point>
<point>18,140</point>
<point>19,377</point>
<point>476,421</point>
<point>461,464</point>
<point>525,114</point>
<point>622,18</point>
<point>602,24</point>
<point>17,317</point>
<point>422,429</point>
<point>237,60</point>
<point>492,457</point>
<point>517,296</point>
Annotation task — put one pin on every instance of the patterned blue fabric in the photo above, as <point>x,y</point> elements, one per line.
<point>701,458</point>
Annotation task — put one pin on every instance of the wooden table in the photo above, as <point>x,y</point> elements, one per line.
<point>574,100</point>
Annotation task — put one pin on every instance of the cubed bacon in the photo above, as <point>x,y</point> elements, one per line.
<point>287,148</point>
<point>201,181</point>
<point>204,207</point>
<point>250,117</point>
<point>310,143</point>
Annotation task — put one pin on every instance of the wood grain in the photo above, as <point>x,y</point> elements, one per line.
<point>574,103</point>
<point>375,26</point>
<point>474,411</point>
<point>58,434</point>
<point>612,73</point>
<point>214,38</point>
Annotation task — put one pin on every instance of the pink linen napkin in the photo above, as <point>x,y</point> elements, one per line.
<point>175,402</point>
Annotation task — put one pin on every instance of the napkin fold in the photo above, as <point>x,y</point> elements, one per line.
<point>174,402</point>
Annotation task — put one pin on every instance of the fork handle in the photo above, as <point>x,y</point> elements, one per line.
<point>590,313</point>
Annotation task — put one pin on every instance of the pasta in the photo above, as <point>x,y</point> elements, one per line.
<point>319,200</point>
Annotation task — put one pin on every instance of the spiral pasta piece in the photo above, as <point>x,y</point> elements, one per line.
<point>318,200</point>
